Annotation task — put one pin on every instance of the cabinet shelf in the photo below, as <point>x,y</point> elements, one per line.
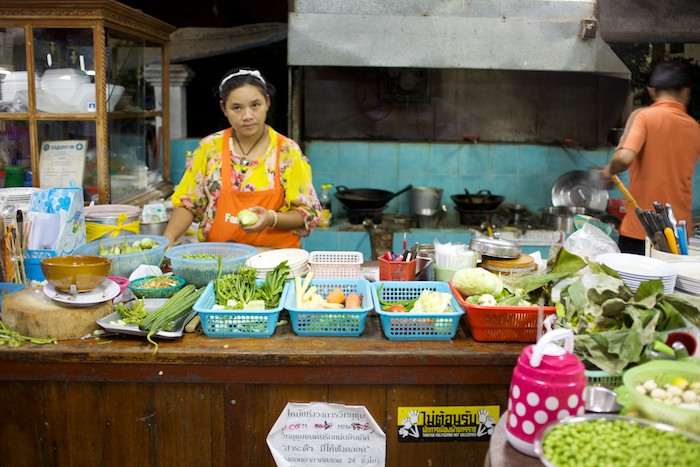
<point>54,58</point>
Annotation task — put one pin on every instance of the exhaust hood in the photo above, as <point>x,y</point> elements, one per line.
<point>525,35</point>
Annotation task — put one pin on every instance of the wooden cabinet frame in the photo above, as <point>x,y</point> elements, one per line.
<point>98,15</point>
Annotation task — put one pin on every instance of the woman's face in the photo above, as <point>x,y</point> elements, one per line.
<point>246,109</point>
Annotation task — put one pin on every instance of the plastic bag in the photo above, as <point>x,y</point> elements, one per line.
<point>589,242</point>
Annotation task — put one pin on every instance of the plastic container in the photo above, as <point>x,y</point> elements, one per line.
<point>199,272</point>
<point>336,264</point>
<point>397,270</point>
<point>412,325</point>
<point>237,323</point>
<point>32,263</point>
<point>444,274</point>
<point>547,385</point>
<point>663,371</point>
<point>326,219</point>
<point>331,321</point>
<point>124,264</point>
<point>163,292</point>
<point>501,323</point>
<point>603,378</point>
<point>14,176</point>
<point>104,220</point>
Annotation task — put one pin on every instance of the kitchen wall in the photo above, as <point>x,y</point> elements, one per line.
<point>523,173</point>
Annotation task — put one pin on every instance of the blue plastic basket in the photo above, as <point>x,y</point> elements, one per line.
<point>237,323</point>
<point>331,321</point>
<point>123,265</point>
<point>412,325</point>
<point>199,272</point>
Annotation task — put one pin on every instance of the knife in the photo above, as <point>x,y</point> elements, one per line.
<point>661,211</point>
<point>649,223</point>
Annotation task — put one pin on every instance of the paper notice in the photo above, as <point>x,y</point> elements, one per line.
<point>320,433</point>
<point>62,163</point>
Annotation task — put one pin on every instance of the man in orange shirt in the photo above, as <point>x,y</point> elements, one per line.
<point>660,146</point>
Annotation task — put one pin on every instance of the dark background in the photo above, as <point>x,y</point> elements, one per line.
<point>203,113</point>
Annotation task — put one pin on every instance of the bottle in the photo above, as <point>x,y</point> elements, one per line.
<point>325,199</point>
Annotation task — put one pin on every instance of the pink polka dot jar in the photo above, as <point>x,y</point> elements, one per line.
<point>547,385</point>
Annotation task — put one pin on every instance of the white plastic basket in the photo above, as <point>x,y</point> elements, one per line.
<point>336,264</point>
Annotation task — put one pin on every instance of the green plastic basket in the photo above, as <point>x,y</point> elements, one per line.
<point>147,292</point>
<point>603,378</point>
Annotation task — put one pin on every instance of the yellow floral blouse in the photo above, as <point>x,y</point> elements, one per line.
<point>200,186</point>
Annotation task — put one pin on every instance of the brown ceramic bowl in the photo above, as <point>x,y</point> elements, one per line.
<point>86,272</point>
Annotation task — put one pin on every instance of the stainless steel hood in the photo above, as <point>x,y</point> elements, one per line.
<point>535,35</point>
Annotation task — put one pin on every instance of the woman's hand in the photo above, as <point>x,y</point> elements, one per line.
<point>265,220</point>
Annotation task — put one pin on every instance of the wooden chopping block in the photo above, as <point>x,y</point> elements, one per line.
<point>31,313</point>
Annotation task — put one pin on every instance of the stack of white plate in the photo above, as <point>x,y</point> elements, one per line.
<point>15,82</point>
<point>297,260</point>
<point>635,269</point>
<point>63,82</point>
<point>688,279</point>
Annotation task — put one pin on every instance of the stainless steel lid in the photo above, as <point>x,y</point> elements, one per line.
<point>495,246</point>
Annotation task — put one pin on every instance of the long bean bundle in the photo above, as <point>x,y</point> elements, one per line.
<point>176,307</point>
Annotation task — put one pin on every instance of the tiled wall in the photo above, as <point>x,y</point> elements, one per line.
<point>522,173</point>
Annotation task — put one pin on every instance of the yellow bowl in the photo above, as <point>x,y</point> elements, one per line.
<point>85,272</point>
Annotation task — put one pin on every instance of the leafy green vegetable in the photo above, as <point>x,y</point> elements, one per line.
<point>236,290</point>
<point>614,326</point>
<point>271,290</point>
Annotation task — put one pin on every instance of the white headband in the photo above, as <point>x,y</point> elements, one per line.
<point>254,73</point>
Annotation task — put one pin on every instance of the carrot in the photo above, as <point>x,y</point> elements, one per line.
<point>353,301</point>
<point>336,296</point>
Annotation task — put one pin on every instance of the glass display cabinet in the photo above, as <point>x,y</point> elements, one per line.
<point>90,76</point>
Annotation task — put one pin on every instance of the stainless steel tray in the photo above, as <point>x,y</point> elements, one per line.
<point>110,322</point>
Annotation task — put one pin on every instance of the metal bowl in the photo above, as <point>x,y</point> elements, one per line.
<point>592,417</point>
<point>600,400</point>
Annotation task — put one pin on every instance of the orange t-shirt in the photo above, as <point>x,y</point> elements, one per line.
<point>667,142</point>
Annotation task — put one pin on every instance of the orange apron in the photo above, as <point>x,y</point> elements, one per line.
<point>225,226</point>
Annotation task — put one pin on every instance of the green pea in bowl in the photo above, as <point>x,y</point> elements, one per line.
<point>612,440</point>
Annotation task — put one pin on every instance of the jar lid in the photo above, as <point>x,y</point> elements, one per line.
<point>524,261</point>
<point>495,246</point>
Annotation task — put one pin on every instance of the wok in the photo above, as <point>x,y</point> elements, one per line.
<point>483,200</point>
<point>365,198</point>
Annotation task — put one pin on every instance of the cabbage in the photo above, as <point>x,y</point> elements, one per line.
<point>433,302</point>
<point>477,281</point>
<point>247,217</point>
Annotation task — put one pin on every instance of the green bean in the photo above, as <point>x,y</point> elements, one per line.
<point>617,443</point>
<point>176,307</point>
<point>15,339</point>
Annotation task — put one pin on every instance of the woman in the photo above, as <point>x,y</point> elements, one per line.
<point>248,166</point>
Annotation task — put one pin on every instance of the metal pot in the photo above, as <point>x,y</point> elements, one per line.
<point>495,246</point>
<point>483,200</point>
<point>365,198</point>
<point>562,217</point>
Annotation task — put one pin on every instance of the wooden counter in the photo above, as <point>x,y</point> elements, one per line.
<point>207,401</point>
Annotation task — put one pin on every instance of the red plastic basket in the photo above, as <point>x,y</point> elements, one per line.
<point>397,270</point>
<point>501,323</point>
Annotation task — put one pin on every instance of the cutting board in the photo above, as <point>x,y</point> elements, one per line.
<point>31,313</point>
